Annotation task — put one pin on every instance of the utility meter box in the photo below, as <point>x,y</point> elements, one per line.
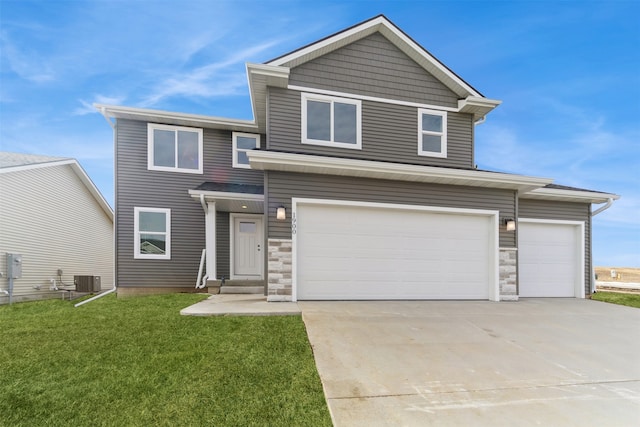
<point>14,266</point>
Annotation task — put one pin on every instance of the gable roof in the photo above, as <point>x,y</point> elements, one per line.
<point>15,162</point>
<point>396,36</point>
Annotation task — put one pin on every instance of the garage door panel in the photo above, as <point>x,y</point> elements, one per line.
<point>549,259</point>
<point>349,252</point>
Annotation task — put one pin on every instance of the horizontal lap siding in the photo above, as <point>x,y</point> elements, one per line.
<point>138,187</point>
<point>565,211</point>
<point>50,217</point>
<point>373,66</point>
<point>389,133</point>
<point>283,186</point>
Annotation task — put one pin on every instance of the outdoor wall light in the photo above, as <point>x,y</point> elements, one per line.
<point>281,213</point>
<point>510,223</point>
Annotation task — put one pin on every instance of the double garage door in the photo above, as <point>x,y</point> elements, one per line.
<point>356,252</point>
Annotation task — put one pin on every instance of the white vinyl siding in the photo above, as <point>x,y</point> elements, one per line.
<point>331,121</point>
<point>432,133</point>
<point>152,231</point>
<point>243,142</point>
<point>50,217</point>
<point>174,148</point>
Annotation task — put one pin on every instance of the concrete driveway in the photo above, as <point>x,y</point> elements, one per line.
<point>545,362</point>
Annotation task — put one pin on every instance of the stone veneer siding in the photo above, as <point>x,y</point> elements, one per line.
<point>508,274</point>
<point>279,282</point>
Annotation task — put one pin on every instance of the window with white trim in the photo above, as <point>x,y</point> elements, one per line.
<point>432,133</point>
<point>331,121</point>
<point>174,148</point>
<point>242,143</point>
<point>152,233</point>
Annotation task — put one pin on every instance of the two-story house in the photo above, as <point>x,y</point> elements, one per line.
<point>355,180</point>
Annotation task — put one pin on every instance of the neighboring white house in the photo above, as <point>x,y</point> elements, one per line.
<point>52,215</point>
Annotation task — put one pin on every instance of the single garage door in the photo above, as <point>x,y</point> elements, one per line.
<point>369,253</point>
<point>550,259</point>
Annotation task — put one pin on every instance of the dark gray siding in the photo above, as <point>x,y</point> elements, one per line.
<point>373,66</point>
<point>389,133</point>
<point>283,186</point>
<point>568,211</point>
<point>137,186</point>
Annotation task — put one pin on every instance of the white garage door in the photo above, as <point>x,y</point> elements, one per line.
<point>550,259</point>
<point>368,253</point>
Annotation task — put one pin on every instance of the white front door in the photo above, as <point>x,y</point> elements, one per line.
<point>247,244</point>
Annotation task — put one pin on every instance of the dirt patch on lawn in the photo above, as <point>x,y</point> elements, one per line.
<point>622,274</point>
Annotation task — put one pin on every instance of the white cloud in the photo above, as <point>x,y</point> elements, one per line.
<point>215,79</point>
<point>88,108</point>
<point>26,62</point>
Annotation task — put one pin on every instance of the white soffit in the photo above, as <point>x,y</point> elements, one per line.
<point>261,76</point>
<point>393,34</point>
<point>303,163</point>
<point>565,195</point>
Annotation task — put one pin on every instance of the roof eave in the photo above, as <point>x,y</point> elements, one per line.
<point>260,77</point>
<point>180,119</point>
<point>568,195</point>
<point>304,163</point>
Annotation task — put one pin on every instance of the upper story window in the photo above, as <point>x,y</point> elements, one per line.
<point>243,142</point>
<point>174,148</point>
<point>432,133</point>
<point>152,230</point>
<point>331,121</point>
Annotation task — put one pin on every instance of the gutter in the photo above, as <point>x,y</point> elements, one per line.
<point>593,268</point>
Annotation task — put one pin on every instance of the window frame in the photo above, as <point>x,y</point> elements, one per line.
<point>235,136</point>
<point>443,134</point>
<point>150,148</point>
<point>332,100</point>
<point>136,233</point>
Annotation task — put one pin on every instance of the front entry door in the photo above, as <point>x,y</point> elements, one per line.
<point>247,247</point>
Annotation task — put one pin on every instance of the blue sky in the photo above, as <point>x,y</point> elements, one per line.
<point>568,73</point>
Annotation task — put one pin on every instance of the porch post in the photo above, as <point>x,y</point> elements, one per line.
<point>210,240</point>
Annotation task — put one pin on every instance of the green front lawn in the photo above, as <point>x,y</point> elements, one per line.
<point>632,300</point>
<point>137,362</point>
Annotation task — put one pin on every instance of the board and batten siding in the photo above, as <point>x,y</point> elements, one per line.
<point>283,186</point>
<point>373,66</point>
<point>138,187</point>
<point>565,211</point>
<point>50,217</point>
<point>389,133</point>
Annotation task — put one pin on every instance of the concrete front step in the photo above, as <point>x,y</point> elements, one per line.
<point>236,289</point>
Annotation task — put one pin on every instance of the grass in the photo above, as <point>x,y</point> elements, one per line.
<point>632,300</point>
<point>137,362</point>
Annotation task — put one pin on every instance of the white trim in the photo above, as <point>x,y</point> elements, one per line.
<point>150,148</point>
<point>442,134</point>
<point>579,286</point>
<point>334,93</point>
<point>234,155</point>
<point>209,195</point>
<point>232,238</point>
<point>568,195</point>
<point>179,119</point>
<point>304,163</point>
<point>210,240</point>
<point>331,100</point>
<point>494,276</point>
<point>136,233</point>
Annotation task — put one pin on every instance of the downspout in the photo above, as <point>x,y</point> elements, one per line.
<point>593,268</point>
